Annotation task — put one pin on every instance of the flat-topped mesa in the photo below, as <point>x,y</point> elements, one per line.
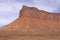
<point>32,12</point>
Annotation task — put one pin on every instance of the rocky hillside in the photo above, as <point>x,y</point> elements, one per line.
<point>34,23</point>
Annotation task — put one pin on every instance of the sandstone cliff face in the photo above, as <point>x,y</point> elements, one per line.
<point>32,12</point>
<point>32,21</point>
<point>31,17</point>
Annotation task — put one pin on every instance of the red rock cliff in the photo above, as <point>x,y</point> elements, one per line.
<point>31,16</point>
<point>32,24</point>
<point>32,12</point>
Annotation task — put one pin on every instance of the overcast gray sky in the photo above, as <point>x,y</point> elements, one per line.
<point>9,9</point>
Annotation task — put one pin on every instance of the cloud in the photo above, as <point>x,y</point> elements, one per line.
<point>9,11</point>
<point>48,5</point>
